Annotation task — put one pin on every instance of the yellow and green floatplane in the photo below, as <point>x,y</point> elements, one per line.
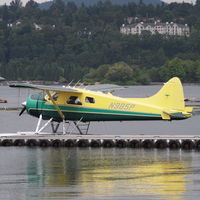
<point>58,104</point>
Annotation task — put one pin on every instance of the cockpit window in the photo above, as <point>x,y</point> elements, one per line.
<point>89,100</point>
<point>74,100</point>
<point>38,96</point>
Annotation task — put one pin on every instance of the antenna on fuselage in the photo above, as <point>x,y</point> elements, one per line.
<point>18,98</point>
<point>76,83</point>
<point>70,83</point>
<point>84,86</point>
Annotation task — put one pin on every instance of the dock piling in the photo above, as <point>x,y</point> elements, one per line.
<point>184,142</point>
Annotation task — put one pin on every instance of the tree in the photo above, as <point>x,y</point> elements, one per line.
<point>119,72</point>
<point>15,5</point>
<point>5,13</point>
<point>97,75</point>
<point>58,7</point>
<point>69,13</point>
<point>168,16</point>
<point>197,5</point>
<point>31,4</point>
<point>174,67</point>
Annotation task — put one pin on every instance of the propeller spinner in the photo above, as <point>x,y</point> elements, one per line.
<point>23,109</point>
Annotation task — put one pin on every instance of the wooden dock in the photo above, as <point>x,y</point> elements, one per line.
<point>107,141</point>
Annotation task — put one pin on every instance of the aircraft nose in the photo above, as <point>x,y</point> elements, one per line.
<point>23,103</point>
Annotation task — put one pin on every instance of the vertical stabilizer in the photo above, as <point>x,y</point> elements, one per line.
<point>170,95</point>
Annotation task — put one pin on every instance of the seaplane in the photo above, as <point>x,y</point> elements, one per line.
<point>80,105</point>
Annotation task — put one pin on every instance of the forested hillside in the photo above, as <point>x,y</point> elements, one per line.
<point>47,4</point>
<point>68,42</point>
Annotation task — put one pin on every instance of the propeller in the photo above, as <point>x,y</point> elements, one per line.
<point>23,109</point>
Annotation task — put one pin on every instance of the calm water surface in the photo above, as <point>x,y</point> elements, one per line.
<point>78,173</point>
<point>75,173</point>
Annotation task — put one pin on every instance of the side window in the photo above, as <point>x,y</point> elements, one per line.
<point>74,100</point>
<point>89,100</point>
<point>55,96</point>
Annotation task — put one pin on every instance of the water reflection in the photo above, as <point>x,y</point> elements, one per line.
<point>108,173</point>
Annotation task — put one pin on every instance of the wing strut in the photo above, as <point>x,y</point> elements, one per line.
<point>56,106</point>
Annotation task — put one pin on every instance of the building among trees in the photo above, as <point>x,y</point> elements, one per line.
<point>156,27</point>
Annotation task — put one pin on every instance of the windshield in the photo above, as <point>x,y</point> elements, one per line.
<point>38,96</point>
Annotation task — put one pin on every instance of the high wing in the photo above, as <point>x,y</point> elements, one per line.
<point>44,87</point>
<point>101,87</point>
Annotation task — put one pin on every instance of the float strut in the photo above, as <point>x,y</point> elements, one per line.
<point>55,127</point>
<point>37,131</point>
<point>64,129</point>
<point>38,124</point>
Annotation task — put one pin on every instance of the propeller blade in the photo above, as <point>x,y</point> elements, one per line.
<point>23,109</point>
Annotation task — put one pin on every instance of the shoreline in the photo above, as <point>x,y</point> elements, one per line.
<point>6,83</point>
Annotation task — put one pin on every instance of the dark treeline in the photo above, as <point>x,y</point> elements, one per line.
<point>65,42</point>
<point>47,4</point>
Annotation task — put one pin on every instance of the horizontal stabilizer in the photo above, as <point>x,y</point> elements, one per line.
<point>166,116</point>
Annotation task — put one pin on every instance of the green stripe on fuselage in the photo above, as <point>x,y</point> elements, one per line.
<point>86,113</point>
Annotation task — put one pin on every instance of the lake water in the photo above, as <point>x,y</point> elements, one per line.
<point>87,173</point>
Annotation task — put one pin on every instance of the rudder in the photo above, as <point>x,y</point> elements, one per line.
<point>170,96</point>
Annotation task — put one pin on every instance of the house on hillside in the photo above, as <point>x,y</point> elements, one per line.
<point>14,24</point>
<point>37,27</point>
<point>156,27</point>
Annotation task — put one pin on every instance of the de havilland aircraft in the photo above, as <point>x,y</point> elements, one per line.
<point>78,105</point>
